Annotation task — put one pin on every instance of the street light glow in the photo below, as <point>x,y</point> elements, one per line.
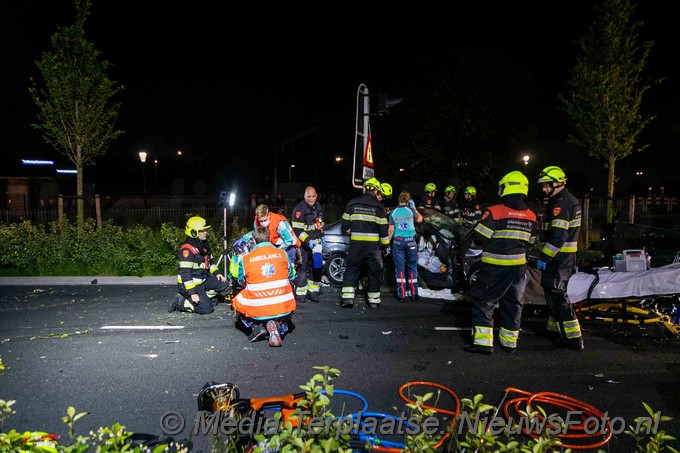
<point>142,156</point>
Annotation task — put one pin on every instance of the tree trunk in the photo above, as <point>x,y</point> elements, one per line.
<point>611,176</point>
<point>80,202</point>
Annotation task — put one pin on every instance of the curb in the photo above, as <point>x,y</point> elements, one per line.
<point>70,281</point>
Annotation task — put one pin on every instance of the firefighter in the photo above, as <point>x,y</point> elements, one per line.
<point>365,221</point>
<point>450,204</point>
<point>385,194</point>
<point>469,207</point>
<point>198,277</point>
<point>557,259</point>
<point>266,303</point>
<point>430,199</point>
<point>308,225</point>
<point>505,232</point>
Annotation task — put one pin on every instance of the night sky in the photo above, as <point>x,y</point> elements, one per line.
<point>227,83</point>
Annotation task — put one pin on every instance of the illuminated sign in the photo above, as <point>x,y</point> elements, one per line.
<point>36,162</point>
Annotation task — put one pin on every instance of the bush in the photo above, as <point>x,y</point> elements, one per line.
<point>61,249</point>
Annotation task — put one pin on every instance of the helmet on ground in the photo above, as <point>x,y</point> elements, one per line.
<point>513,182</point>
<point>471,190</point>
<point>372,184</point>
<point>449,189</point>
<point>552,174</point>
<point>194,225</point>
<point>430,187</point>
<point>386,190</point>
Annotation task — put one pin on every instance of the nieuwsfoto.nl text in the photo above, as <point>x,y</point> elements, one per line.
<point>214,423</point>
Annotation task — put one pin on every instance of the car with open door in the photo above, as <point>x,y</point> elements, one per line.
<point>446,259</point>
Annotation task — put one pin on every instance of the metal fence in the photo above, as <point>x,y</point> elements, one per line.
<point>153,212</point>
<point>658,212</point>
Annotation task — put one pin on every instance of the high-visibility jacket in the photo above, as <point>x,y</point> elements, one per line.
<point>281,234</point>
<point>365,219</point>
<point>430,201</point>
<point>451,209</point>
<point>266,273</point>
<point>563,220</point>
<point>469,211</point>
<point>308,221</point>
<point>194,265</point>
<point>508,232</point>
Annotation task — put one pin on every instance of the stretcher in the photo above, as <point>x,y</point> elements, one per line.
<point>629,297</point>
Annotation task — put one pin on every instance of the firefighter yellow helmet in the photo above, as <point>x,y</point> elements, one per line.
<point>430,187</point>
<point>194,225</point>
<point>386,190</point>
<point>513,182</point>
<point>449,189</point>
<point>552,174</point>
<point>471,190</point>
<point>371,184</point>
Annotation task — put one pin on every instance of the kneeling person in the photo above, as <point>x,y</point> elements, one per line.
<point>198,277</point>
<point>266,303</point>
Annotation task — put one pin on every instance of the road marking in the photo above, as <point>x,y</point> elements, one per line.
<point>451,328</point>
<point>141,327</point>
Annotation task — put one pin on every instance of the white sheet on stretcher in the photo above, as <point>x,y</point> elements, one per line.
<point>612,285</point>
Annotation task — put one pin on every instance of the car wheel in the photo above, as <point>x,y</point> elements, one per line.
<point>334,268</point>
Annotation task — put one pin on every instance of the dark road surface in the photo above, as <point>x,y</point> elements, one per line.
<point>115,352</point>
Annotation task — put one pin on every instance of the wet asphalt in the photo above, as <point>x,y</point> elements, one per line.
<point>108,346</point>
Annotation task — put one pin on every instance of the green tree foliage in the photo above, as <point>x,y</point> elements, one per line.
<point>607,88</point>
<point>76,112</point>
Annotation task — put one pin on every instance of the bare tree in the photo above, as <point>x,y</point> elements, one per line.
<point>607,88</point>
<point>76,114</point>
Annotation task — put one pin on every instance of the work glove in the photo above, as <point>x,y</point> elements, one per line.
<point>411,203</point>
<point>540,265</point>
<point>386,251</point>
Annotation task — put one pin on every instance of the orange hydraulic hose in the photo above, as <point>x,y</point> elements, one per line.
<point>582,430</point>
<point>454,414</point>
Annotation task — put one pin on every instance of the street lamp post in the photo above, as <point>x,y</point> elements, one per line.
<point>155,173</point>
<point>290,173</point>
<point>142,157</point>
<point>228,200</point>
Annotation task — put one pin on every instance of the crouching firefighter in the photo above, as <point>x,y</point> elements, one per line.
<point>505,231</point>
<point>198,277</point>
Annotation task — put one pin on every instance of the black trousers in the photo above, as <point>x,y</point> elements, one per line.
<point>554,280</point>
<point>368,254</point>
<point>208,289</point>
<point>504,285</point>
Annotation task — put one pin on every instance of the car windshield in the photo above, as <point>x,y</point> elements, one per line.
<point>446,226</point>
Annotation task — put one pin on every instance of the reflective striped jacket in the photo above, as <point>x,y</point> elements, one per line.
<point>563,220</point>
<point>507,233</point>
<point>266,273</point>
<point>365,219</point>
<point>195,265</point>
<point>308,221</point>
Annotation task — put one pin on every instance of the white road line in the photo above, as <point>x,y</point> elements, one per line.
<point>141,327</point>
